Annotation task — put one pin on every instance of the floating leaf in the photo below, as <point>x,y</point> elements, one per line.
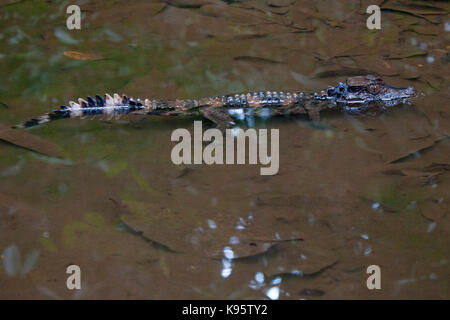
<point>82,56</point>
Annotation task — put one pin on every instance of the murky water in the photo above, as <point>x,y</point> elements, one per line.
<point>351,191</point>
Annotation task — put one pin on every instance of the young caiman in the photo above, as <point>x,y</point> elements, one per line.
<point>356,95</point>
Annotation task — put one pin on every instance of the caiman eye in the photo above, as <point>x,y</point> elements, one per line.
<point>374,88</point>
<point>354,89</point>
<point>331,91</point>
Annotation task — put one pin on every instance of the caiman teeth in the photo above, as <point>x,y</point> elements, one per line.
<point>74,105</point>
<point>117,99</point>
<point>109,100</point>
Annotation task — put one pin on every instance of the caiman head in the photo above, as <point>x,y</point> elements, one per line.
<point>363,90</point>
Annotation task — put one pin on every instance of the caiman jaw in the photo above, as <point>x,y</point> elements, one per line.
<point>368,90</point>
<point>398,93</point>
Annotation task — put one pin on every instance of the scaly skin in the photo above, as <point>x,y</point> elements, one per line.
<point>355,96</point>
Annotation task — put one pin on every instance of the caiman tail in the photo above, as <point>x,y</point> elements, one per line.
<point>115,106</point>
<point>107,106</point>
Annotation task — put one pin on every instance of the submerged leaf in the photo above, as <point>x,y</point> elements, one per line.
<point>257,59</point>
<point>413,54</point>
<point>28,141</point>
<point>128,224</point>
<point>417,152</point>
<point>419,13</point>
<point>82,56</point>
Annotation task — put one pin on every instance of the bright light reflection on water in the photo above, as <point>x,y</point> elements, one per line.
<point>276,281</point>
<point>273,293</point>
<point>234,240</point>
<point>226,268</point>
<point>211,224</point>
<point>228,253</point>
<point>226,262</point>
<point>259,277</point>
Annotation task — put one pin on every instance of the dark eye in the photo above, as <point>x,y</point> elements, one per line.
<point>354,89</point>
<point>374,88</point>
<point>331,91</point>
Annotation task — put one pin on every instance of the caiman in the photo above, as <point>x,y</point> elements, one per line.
<point>356,95</point>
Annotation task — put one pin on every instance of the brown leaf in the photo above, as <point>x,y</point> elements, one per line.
<point>256,59</point>
<point>136,222</point>
<point>414,12</point>
<point>405,55</point>
<point>411,155</point>
<point>28,141</point>
<point>82,56</point>
<point>415,9</point>
<point>155,244</point>
<point>248,250</point>
<point>300,260</point>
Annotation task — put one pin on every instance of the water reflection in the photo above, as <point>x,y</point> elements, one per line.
<point>226,268</point>
<point>242,224</point>
<point>431,226</point>
<point>273,293</point>
<point>212,224</point>
<point>226,262</point>
<point>259,278</point>
<point>13,264</point>
<point>368,251</point>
